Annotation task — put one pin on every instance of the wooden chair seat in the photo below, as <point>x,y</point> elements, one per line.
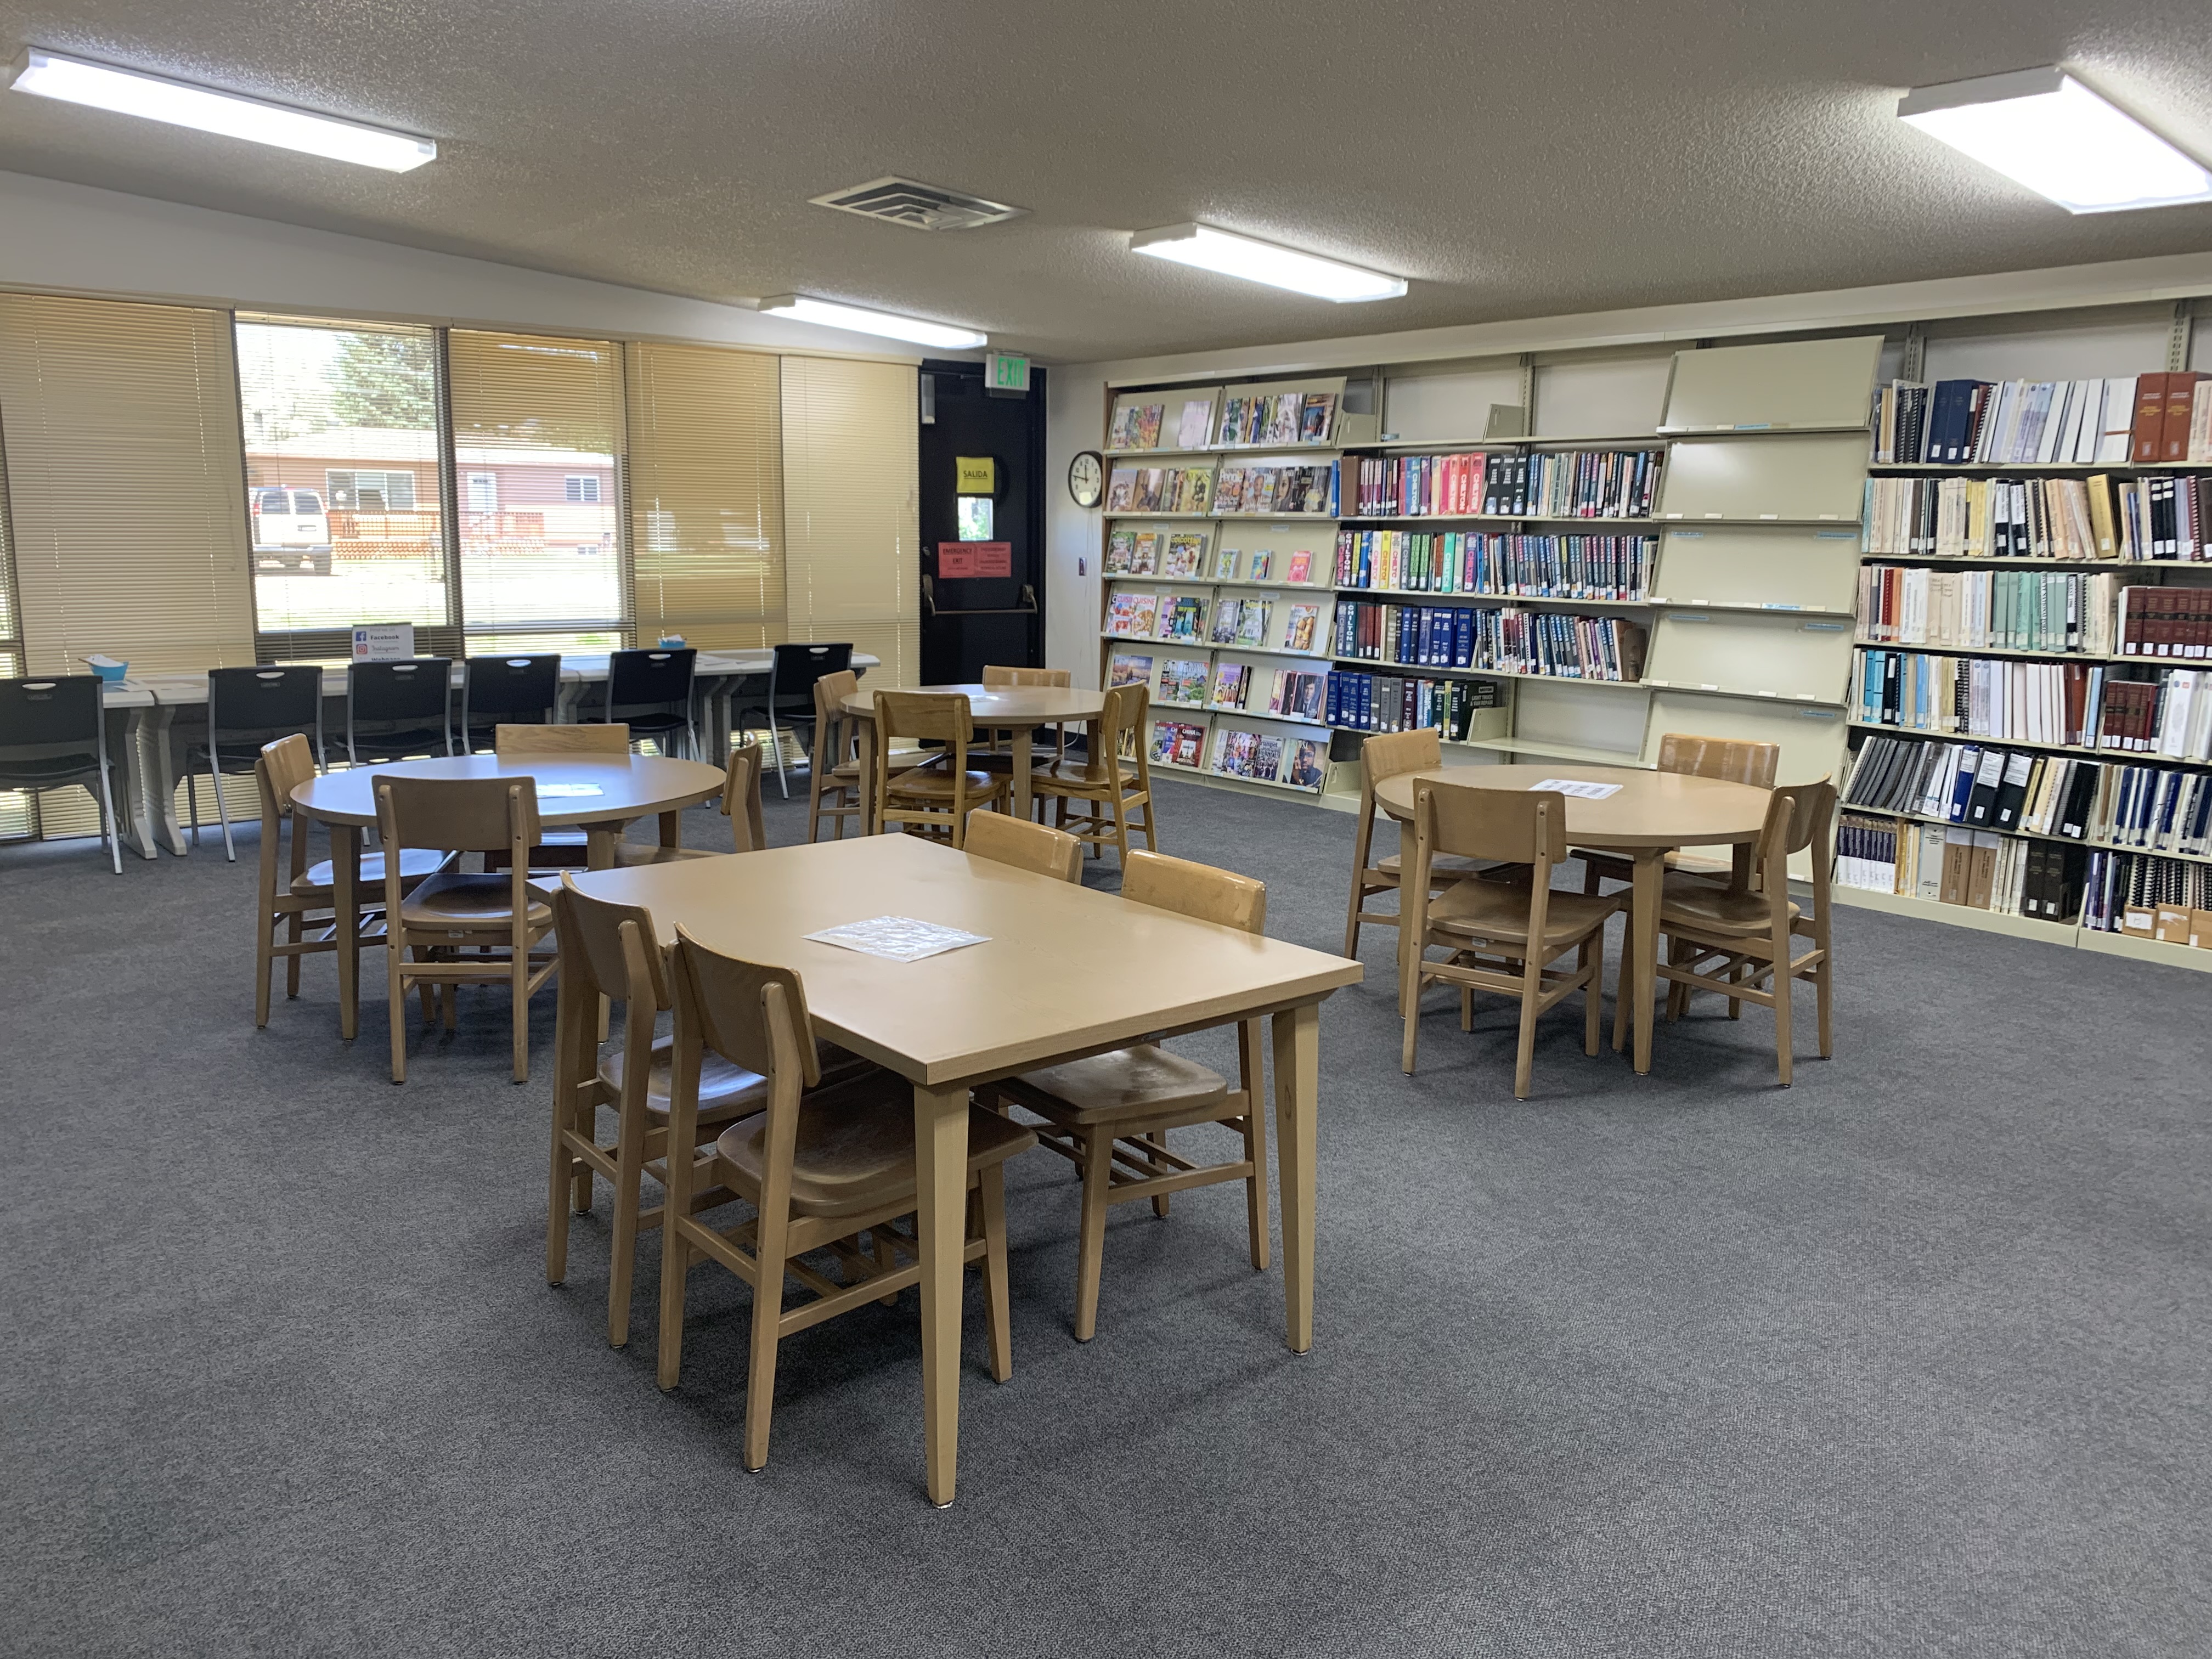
<point>855,1153</point>
<point>637,855</point>
<point>725,1088</point>
<point>926,783</point>
<point>1500,909</point>
<point>1145,1081</point>
<point>1071,771</point>
<point>415,865</point>
<point>1708,907</point>
<point>470,901</point>
<point>1001,761</point>
<point>1450,868</point>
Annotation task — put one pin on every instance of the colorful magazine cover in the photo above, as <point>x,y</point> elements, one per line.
<point>1314,419</point>
<point>1144,612</point>
<point>1121,491</point>
<point>1191,427</point>
<point>1263,562</point>
<point>1148,425</point>
<point>1252,625</point>
<point>1185,554</point>
<point>1122,430</point>
<point>1121,549</point>
<point>1129,668</point>
<point>1283,418</point>
<point>1231,430</point>
<point>1267,757</point>
<point>1301,567</point>
<point>1308,758</point>
<point>1186,620</point>
<point>1298,634</point>
<point>1197,490</point>
<point>1225,564</point>
<point>1183,680</point>
<point>1224,621</point>
<point>1151,485</point>
<point>1144,558</point>
<point>1232,753</point>
<point>1228,490</point>
<point>1230,680</point>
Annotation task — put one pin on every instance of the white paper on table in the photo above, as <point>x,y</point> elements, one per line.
<point>900,939</point>
<point>1577,787</point>
<point>566,790</point>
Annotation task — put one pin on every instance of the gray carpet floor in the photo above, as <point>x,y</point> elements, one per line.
<point>1908,1360</point>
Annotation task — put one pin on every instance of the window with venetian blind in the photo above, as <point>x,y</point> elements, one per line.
<point>851,514</point>
<point>537,441</point>
<point>125,483</point>
<point>706,496</point>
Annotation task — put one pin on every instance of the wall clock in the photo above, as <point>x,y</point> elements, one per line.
<point>1086,478</point>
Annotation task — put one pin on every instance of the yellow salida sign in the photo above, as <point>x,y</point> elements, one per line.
<point>979,474</point>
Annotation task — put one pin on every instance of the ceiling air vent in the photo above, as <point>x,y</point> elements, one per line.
<point>917,206</point>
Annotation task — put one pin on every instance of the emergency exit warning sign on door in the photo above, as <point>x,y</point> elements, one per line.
<point>1006,371</point>
<point>971,560</point>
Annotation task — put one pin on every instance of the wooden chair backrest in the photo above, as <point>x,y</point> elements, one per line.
<point>457,815</point>
<point>1733,760</point>
<point>1124,713</point>
<point>1511,826</point>
<point>1814,808</point>
<point>946,716</point>
<point>831,692</point>
<point>726,1001</point>
<point>1004,839</point>
<point>741,797</point>
<point>1197,891</point>
<point>593,957</point>
<point>1393,754</point>
<point>1059,677</point>
<point>284,765</point>
<point>561,739</point>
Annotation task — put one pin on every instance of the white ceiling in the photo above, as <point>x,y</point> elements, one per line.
<point>1513,160</point>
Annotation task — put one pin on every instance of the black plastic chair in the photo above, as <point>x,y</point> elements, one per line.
<point>397,709</point>
<point>53,731</point>
<point>651,692</point>
<point>506,691</point>
<point>791,680</point>
<point>247,707</point>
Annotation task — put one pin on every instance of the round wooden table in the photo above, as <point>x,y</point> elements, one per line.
<point>623,787</point>
<point>1651,814</point>
<point>1019,709</point>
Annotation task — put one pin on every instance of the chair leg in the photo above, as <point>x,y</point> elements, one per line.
<point>1255,1145</point>
<point>1783,981</point>
<point>1590,961</point>
<point>775,741</point>
<point>221,811</point>
<point>767,1330</point>
<point>586,1124</point>
<point>675,1260</point>
<point>886,1260</point>
<point>294,933</point>
<point>192,804</point>
<point>519,977</point>
<point>1409,997</point>
<point>1159,1138</point>
<point>559,1179</point>
<point>396,984</point>
<point>629,1180</point>
<point>1090,1241</point>
<point>264,958</point>
<point>1120,830</point>
<point>1822,985</point>
<point>997,1303</point>
<point>1623,988</point>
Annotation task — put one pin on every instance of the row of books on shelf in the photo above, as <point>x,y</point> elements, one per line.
<point>2156,517</point>
<point>1184,617</point>
<point>2167,622</point>
<point>2147,896</point>
<point>2142,419</point>
<point>1198,683</point>
<point>1473,562</point>
<point>1393,703</point>
<point>1181,555</point>
<point>1276,488</point>
<point>1581,483</point>
<point>2158,809</point>
<point>1988,610</point>
<point>2075,705</point>
<point>1265,420</point>
<point>1976,868</point>
<point>1236,752</point>
<point>1505,640</point>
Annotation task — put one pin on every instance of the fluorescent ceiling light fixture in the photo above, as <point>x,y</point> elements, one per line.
<point>1263,262</point>
<point>2046,129</point>
<point>127,92</point>
<point>829,314</point>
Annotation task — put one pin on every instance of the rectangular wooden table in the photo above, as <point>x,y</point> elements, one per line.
<point>1066,972</point>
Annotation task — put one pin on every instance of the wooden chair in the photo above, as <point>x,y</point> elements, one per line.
<point>998,757</point>
<point>1113,780</point>
<point>500,917</point>
<point>927,800</point>
<point>824,1164</point>
<point>562,849</point>
<point>608,950</point>
<point>833,781</point>
<point>1730,940</point>
<point>1387,755</point>
<point>1734,760</point>
<point>1110,1115</point>
<point>1004,839</point>
<point>293,890</point>
<point>1502,936</point>
<point>741,805</point>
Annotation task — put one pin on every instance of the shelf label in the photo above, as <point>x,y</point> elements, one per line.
<point>1686,617</point>
<point>1821,628</point>
<point>1835,536</point>
<point>1776,604</point>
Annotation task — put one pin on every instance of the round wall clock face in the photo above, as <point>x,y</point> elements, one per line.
<point>1087,479</point>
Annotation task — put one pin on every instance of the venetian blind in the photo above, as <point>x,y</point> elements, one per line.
<point>538,444</point>
<point>706,496</point>
<point>851,461</point>
<point>126,483</point>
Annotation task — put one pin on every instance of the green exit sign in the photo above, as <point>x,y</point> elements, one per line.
<point>1006,370</point>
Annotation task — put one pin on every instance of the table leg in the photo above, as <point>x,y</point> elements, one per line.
<point>345,883</point>
<point>600,841</point>
<point>1298,1076</point>
<point>161,780</point>
<point>940,1156</point>
<point>671,829</point>
<point>128,738</point>
<point>1644,919</point>
<point>1023,756</point>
